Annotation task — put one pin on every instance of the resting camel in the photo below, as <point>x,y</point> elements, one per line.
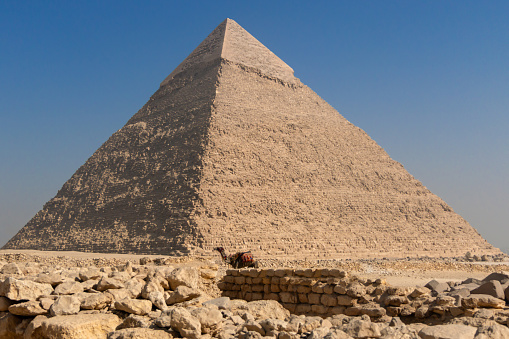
<point>239,259</point>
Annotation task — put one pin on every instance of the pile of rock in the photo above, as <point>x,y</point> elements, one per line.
<point>158,301</point>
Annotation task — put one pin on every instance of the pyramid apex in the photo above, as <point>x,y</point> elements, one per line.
<point>231,42</point>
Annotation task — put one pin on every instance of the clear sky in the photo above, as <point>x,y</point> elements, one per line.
<point>427,80</point>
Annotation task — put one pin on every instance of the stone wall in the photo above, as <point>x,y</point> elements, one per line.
<point>327,292</point>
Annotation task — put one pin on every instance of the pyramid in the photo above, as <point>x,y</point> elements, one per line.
<point>233,150</point>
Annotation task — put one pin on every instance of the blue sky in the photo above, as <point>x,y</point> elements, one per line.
<point>427,80</point>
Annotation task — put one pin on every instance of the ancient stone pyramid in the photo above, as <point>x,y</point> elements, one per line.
<point>233,150</point>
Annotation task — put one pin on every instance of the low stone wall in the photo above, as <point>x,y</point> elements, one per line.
<point>327,292</point>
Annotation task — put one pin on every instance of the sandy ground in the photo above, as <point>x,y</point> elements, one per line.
<point>395,272</point>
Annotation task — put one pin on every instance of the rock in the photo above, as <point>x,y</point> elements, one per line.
<point>134,306</point>
<point>265,309</point>
<point>108,283</point>
<point>209,317</point>
<point>371,310</point>
<point>183,322</point>
<point>362,328</point>
<point>8,325</point>
<point>119,294</point>
<point>139,333</point>
<point>70,287</point>
<point>494,331</point>
<point>182,293</point>
<point>18,290</point>
<point>493,288</point>
<point>46,302</point>
<point>356,290</point>
<point>253,326</point>
<point>65,305</point>
<point>187,276</point>
<point>482,300</point>
<point>79,326</point>
<point>453,331</point>
<point>91,274</point>
<point>34,328</point>
<point>27,309</point>
<point>157,298</point>
<point>420,291</point>
<point>4,304</point>
<point>153,285</point>
<point>11,268</point>
<point>96,301</point>
<point>53,279</point>
<point>134,320</point>
<point>134,286</point>
<point>222,302</point>
<point>208,274</point>
<point>500,277</point>
<point>437,287</point>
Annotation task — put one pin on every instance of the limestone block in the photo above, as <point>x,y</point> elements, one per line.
<point>8,324</point>
<point>329,300</point>
<point>11,269</point>
<point>18,290</point>
<point>139,333</point>
<point>482,300</point>
<point>134,306</point>
<point>79,326</point>
<point>345,300</point>
<point>95,301</point>
<point>493,288</point>
<point>70,287</point>
<point>450,331</point>
<point>4,304</point>
<point>28,309</point>
<point>91,274</point>
<point>53,279</point>
<point>319,309</point>
<point>65,305</point>
<point>118,294</point>
<point>182,293</point>
<point>303,298</point>
<point>107,283</point>
<point>314,298</point>
<point>187,325</point>
<point>356,290</point>
<point>187,276</point>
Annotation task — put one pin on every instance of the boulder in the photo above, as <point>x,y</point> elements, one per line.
<point>493,288</point>
<point>157,298</point>
<point>65,305</point>
<point>8,325</point>
<point>53,279</point>
<point>209,317</point>
<point>91,274</point>
<point>18,290</point>
<point>30,308</point>
<point>139,333</point>
<point>134,306</point>
<point>500,277</point>
<point>187,276</point>
<point>11,269</point>
<point>70,287</point>
<point>494,331</point>
<point>183,322</point>
<point>182,293</point>
<point>33,329</point>
<point>118,294</point>
<point>482,300</point>
<point>262,309</point>
<point>95,301</point>
<point>437,287</point>
<point>134,320</point>
<point>79,326</point>
<point>453,331</point>
<point>134,286</point>
<point>4,304</point>
<point>108,283</point>
<point>222,303</point>
<point>362,328</point>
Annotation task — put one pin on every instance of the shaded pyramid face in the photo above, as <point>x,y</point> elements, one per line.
<point>234,151</point>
